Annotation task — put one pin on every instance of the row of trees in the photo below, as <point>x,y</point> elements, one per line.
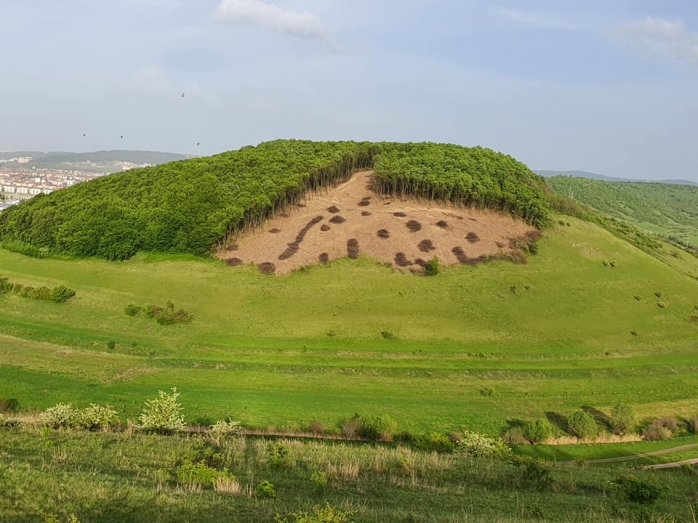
<point>193,205</point>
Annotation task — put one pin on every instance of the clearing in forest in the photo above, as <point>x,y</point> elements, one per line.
<point>322,227</point>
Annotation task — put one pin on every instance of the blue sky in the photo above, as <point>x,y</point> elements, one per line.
<point>606,86</point>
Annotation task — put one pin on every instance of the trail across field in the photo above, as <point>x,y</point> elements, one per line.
<point>351,219</point>
<point>633,457</point>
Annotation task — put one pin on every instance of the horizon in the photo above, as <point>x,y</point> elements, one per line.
<point>599,88</point>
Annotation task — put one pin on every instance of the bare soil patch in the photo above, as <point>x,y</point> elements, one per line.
<point>333,210</point>
<point>472,237</point>
<point>302,240</point>
<point>414,226</point>
<point>442,224</point>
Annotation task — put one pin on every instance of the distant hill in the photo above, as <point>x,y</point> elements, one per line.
<point>663,208</point>
<point>602,177</point>
<point>137,157</point>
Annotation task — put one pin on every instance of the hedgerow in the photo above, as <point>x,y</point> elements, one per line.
<point>194,205</point>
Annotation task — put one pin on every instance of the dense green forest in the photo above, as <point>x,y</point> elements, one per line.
<point>193,205</point>
<point>665,209</point>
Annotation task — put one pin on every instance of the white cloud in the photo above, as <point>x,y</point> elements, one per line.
<point>273,18</point>
<point>535,19</point>
<point>661,37</point>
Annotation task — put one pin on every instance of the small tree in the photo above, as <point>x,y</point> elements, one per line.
<point>432,267</point>
<point>622,418</point>
<point>162,414</point>
<point>582,425</point>
<point>537,431</point>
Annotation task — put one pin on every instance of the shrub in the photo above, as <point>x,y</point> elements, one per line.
<point>8,423</point>
<point>196,475</point>
<point>533,471</point>
<point>61,416</point>
<point>478,446</point>
<point>515,436</point>
<point>97,417</point>
<point>582,425</point>
<point>693,424</point>
<point>668,422</point>
<point>9,405</point>
<point>657,434</point>
<point>319,481</point>
<point>350,427</point>
<point>278,455</point>
<point>111,345</point>
<point>432,267</point>
<point>637,490</point>
<point>388,335</point>
<point>487,392</point>
<point>374,428</point>
<point>622,418</point>
<point>133,310</point>
<point>537,431</point>
<point>265,489</point>
<point>434,442</point>
<point>225,429</point>
<point>316,427</point>
<point>320,514</point>
<point>163,414</point>
<point>61,294</point>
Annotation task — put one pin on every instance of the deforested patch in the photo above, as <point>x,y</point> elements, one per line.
<point>414,226</point>
<point>333,210</point>
<point>384,234</point>
<point>365,213</point>
<point>325,228</point>
<point>293,247</point>
<point>267,268</point>
<point>426,246</point>
<point>353,248</point>
<point>399,214</point>
<point>324,258</point>
<point>472,237</point>
<point>233,262</point>
<point>337,220</point>
<point>275,231</point>
<point>443,224</point>
<point>401,260</point>
<point>365,201</point>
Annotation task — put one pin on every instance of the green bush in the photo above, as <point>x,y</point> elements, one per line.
<point>432,267</point>
<point>225,429</point>
<point>622,418</point>
<point>319,481</point>
<point>478,446</point>
<point>533,471</point>
<point>279,456</point>
<point>265,489</point>
<point>637,490</point>
<point>515,436</point>
<point>434,442</point>
<point>61,294</point>
<point>61,416</point>
<point>162,415</point>
<point>133,310</point>
<point>319,514</point>
<point>537,431</point>
<point>376,428</point>
<point>197,475</point>
<point>98,417</point>
<point>111,345</point>
<point>582,425</point>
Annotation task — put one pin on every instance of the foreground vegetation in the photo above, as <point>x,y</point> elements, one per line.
<point>48,475</point>
<point>194,205</point>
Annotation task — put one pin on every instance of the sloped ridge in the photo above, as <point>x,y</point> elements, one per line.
<point>194,206</point>
<point>404,232</point>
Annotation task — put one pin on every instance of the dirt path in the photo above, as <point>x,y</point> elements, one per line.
<point>351,220</point>
<point>641,456</point>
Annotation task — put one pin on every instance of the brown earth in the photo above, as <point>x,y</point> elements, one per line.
<point>301,237</point>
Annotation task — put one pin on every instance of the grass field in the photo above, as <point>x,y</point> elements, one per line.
<point>132,477</point>
<point>550,336</point>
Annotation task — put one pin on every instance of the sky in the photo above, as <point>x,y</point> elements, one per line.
<point>608,86</point>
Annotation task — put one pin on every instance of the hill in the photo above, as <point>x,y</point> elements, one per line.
<point>195,205</point>
<point>594,176</point>
<point>665,209</point>
<point>136,157</point>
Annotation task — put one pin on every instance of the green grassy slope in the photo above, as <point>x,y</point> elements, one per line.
<point>549,336</point>
<point>193,205</point>
<point>666,209</point>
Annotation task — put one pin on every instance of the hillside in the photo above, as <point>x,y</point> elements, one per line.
<point>602,177</point>
<point>137,157</point>
<point>667,209</point>
<point>196,205</point>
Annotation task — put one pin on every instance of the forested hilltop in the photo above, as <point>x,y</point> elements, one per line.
<point>193,205</point>
<point>666,209</point>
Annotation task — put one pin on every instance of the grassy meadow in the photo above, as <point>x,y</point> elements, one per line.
<point>562,332</point>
